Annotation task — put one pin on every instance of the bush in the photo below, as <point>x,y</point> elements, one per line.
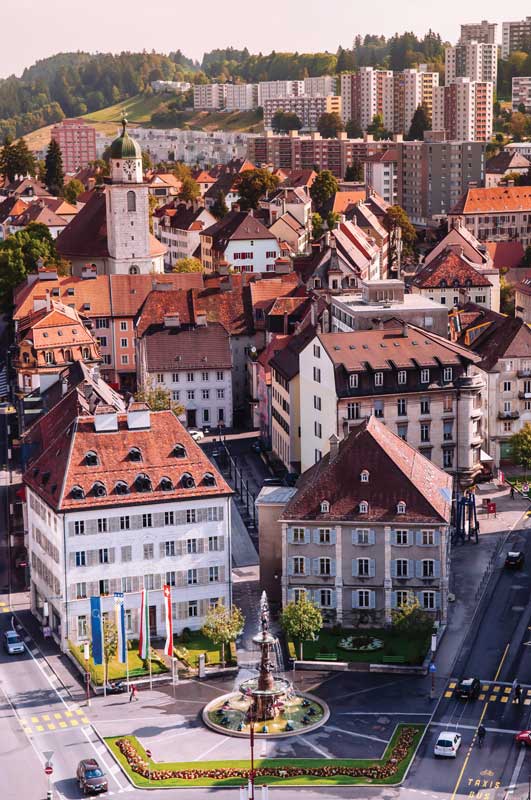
<point>185,636</point>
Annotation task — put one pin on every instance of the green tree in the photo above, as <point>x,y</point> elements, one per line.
<point>354,130</point>
<point>506,296</point>
<point>189,190</point>
<point>526,261</point>
<point>411,620</point>
<point>72,190</point>
<point>285,121</point>
<point>219,209</point>
<point>54,175</point>
<point>146,161</point>
<point>402,233</point>
<point>354,172</point>
<point>158,399</point>
<point>330,124</point>
<point>181,170</point>
<point>188,265</point>
<point>377,128</point>
<point>110,642</point>
<point>317,226</point>
<point>301,620</point>
<point>323,188</point>
<point>252,184</point>
<point>521,447</point>
<point>12,273</point>
<point>17,159</point>
<point>420,122</point>
<point>223,625</point>
<point>332,218</point>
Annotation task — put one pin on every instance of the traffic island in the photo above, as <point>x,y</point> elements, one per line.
<point>390,770</point>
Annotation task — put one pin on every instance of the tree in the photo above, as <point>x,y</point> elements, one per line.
<point>330,124</point>
<point>403,234</point>
<point>252,184</point>
<point>17,159</point>
<point>53,164</point>
<point>526,261</point>
<point>285,121</point>
<point>506,295</point>
<point>411,620</point>
<point>223,625</point>
<point>521,446</point>
<point>354,130</point>
<point>158,399</point>
<point>332,218</point>
<point>181,170</point>
<point>323,188</point>
<point>219,209</point>
<point>72,190</point>
<point>188,265</point>
<point>377,128</point>
<point>301,620</point>
<point>146,161</point>
<point>420,122</point>
<point>317,226</point>
<point>189,190</point>
<point>354,172</point>
<point>519,125</point>
<point>110,642</point>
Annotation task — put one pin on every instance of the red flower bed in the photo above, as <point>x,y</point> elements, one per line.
<point>376,771</point>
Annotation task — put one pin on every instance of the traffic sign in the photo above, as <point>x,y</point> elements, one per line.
<point>48,769</point>
<point>48,755</point>
<point>432,667</point>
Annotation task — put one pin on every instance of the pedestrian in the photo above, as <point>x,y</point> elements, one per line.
<point>512,492</point>
<point>481,735</point>
<point>518,694</point>
<point>134,693</point>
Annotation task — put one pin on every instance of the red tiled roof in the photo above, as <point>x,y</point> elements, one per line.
<point>500,199</point>
<point>506,254</point>
<point>63,465</point>
<point>342,200</point>
<point>237,225</point>
<point>204,347</point>
<point>397,472</point>
<point>445,270</point>
<point>268,289</point>
<point>12,207</point>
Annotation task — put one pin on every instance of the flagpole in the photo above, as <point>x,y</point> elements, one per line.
<point>104,659</point>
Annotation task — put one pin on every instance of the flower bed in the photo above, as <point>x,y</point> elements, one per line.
<point>362,644</point>
<point>389,770</point>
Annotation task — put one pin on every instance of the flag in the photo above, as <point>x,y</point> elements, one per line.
<point>143,639</point>
<point>168,647</point>
<point>96,630</point>
<point>120,626</point>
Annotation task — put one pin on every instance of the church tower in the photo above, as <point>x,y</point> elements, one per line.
<point>127,206</point>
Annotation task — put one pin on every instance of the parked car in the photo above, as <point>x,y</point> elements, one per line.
<point>91,777</point>
<point>273,482</point>
<point>447,744</point>
<point>523,738</point>
<point>468,688</point>
<point>13,644</point>
<point>515,559</point>
<point>196,435</point>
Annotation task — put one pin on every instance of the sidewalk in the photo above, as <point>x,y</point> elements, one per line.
<point>508,511</point>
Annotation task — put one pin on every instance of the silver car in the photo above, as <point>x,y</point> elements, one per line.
<point>13,644</point>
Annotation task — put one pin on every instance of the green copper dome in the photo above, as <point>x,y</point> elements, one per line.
<point>124,146</point>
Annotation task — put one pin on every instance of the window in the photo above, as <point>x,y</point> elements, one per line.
<point>220,394</point>
<point>191,577</point>
<point>81,590</point>
<point>402,376</point>
<point>48,357</point>
<point>190,394</point>
<point>204,376</point>
<point>149,582</point>
<point>364,598</point>
<point>191,545</point>
<point>127,584</point>
<point>125,343</point>
<point>402,537</point>
<point>364,476</point>
<point>298,536</point>
<point>220,375</point>
<point>447,374</point>
<point>175,377</point>
<point>507,427</point>
<point>81,558</point>
<point>325,598</point>
<point>213,543</point>
<point>424,431</point>
<point>428,568</point>
<point>191,515</point>
<point>102,525</point>
<point>424,376</point>
<point>325,566</point>
<point>401,407</point>
<point>448,430</point>
<point>104,586</point>
<point>123,325</point>
<point>124,523</point>
<point>213,574</point>
<point>507,386</point>
<point>317,351</point>
<point>171,578</point>
<point>317,402</point>
<point>428,537</point>
<point>175,395</point>
<point>169,518</point>
<point>205,394</point>
<point>401,430</point>
<point>190,377</point>
<point>82,627</point>
<point>378,378</point>
<point>148,551</point>
<point>379,409</point>
<point>325,507</point>
<point>448,458</point>
<point>364,567</point>
<point>169,548</point>
<point>402,570</point>
<point>102,341</point>
<point>424,405</point>
<point>325,536</point>
<point>402,598</point>
<point>317,429</point>
<point>193,608</point>
<point>448,404</point>
<point>401,507</point>
<point>317,455</point>
<point>353,381</point>
<point>127,553</point>
<point>104,555</point>
<point>124,359</point>
<point>317,375</point>
<point>364,507</point>
<point>102,323</point>
<point>131,201</point>
<point>362,536</point>
<point>428,601</point>
<point>353,410</point>
<point>147,521</point>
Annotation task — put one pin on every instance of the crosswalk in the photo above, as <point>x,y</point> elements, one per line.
<point>54,721</point>
<point>492,692</point>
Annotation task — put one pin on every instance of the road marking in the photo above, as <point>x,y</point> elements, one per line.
<point>452,685</point>
<point>481,697</point>
<point>507,690</point>
<point>496,688</point>
<point>357,735</point>
<point>39,728</point>
<point>103,759</point>
<point>202,755</point>
<point>517,768</point>
<point>51,726</point>
<point>314,747</point>
<point>448,694</point>
<point>504,699</point>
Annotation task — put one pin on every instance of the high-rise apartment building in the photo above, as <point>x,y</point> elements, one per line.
<point>485,32</point>
<point>241,96</point>
<point>475,60</point>
<point>307,108</point>
<point>77,141</point>
<point>515,36</point>
<point>411,88</point>
<point>210,96</point>
<point>522,93</point>
<point>464,110</point>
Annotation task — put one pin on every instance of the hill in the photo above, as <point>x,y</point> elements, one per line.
<point>138,110</point>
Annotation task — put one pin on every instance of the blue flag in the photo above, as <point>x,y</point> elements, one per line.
<point>97,630</point>
<point>120,626</point>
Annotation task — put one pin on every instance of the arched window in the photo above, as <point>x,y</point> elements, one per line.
<point>131,201</point>
<point>364,507</point>
<point>401,507</point>
<point>364,476</point>
<point>325,507</point>
<point>68,355</point>
<point>86,353</point>
<point>133,270</point>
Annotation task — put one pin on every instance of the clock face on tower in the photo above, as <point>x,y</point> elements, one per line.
<point>129,168</point>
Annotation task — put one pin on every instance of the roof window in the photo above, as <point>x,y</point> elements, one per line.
<point>135,454</point>
<point>77,493</point>
<point>364,507</point>
<point>364,476</point>
<point>209,479</point>
<point>179,451</point>
<point>166,484</point>
<point>91,459</point>
<point>121,487</point>
<point>143,483</point>
<point>99,490</point>
<point>401,507</point>
<point>325,506</point>
<point>187,481</point>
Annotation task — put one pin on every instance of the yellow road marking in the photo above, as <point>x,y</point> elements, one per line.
<point>68,714</point>
<point>46,717</point>
<point>79,712</point>
<point>63,725</point>
<point>496,689</point>
<point>39,727</point>
<point>481,697</point>
<point>58,716</point>
<point>501,662</point>
<point>527,702</point>
<point>504,699</point>
<point>507,690</point>
<point>452,685</point>
<point>34,719</point>
<point>51,726</point>
<point>84,720</point>
<point>492,698</point>
<point>448,694</point>
<point>74,722</point>
<point>485,687</point>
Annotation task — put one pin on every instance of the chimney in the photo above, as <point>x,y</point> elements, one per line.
<point>405,331</point>
<point>285,323</point>
<point>64,387</point>
<point>334,447</point>
<point>138,416</point>
<point>235,207</point>
<point>48,301</point>
<point>105,419</point>
<point>172,320</point>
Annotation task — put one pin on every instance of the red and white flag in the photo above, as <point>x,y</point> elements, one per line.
<point>168,647</point>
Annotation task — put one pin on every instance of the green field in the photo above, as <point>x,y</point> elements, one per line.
<point>395,776</point>
<point>138,109</point>
<point>117,671</point>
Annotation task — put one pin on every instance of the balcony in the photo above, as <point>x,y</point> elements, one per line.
<point>508,414</point>
<point>524,395</point>
<point>523,373</point>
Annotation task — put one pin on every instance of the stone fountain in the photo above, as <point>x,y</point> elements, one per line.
<point>267,702</point>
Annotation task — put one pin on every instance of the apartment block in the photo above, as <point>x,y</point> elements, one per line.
<point>412,88</point>
<point>77,141</point>
<point>464,109</point>
<point>475,60</point>
<point>322,85</point>
<point>381,174</point>
<point>515,36</point>
<point>484,32</point>
<point>210,96</point>
<point>307,107</point>
<point>522,93</point>
<point>241,96</point>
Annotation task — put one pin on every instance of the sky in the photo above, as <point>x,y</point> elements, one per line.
<point>32,30</point>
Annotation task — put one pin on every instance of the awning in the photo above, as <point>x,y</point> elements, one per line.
<point>484,457</point>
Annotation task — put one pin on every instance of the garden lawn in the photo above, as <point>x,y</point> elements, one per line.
<point>302,780</point>
<point>117,671</point>
<point>413,649</point>
<point>198,643</point>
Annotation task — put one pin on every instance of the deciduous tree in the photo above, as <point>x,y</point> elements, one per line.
<point>521,446</point>
<point>72,190</point>
<point>330,124</point>
<point>188,265</point>
<point>219,209</point>
<point>189,190</point>
<point>223,625</point>
<point>158,399</point>
<point>301,620</point>
<point>323,188</point>
<point>253,184</point>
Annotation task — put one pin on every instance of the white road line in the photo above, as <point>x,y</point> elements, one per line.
<point>101,757</point>
<point>517,768</point>
<point>314,747</point>
<point>384,713</point>
<point>473,728</point>
<point>63,701</point>
<point>364,691</point>
<point>358,735</point>
<point>202,755</point>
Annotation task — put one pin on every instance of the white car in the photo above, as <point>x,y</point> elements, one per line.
<point>447,744</point>
<point>13,644</point>
<point>196,435</point>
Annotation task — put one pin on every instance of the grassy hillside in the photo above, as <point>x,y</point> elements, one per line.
<point>138,110</point>
<point>39,139</point>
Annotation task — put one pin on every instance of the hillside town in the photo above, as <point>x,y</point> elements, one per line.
<point>265,424</point>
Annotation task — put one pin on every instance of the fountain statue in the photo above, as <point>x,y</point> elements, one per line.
<point>266,700</point>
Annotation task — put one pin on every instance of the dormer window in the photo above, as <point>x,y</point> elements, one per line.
<point>166,484</point>
<point>86,353</point>
<point>401,507</point>
<point>443,284</point>
<point>209,479</point>
<point>59,332</point>
<point>91,459</point>
<point>364,507</point>
<point>121,487</point>
<point>135,454</point>
<point>187,481</point>
<point>364,476</point>
<point>77,493</point>
<point>70,292</point>
<point>99,490</point>
<point>353,381</point>
<point>179,451</point>
<point>143,483</point>
<point>325,507</point>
